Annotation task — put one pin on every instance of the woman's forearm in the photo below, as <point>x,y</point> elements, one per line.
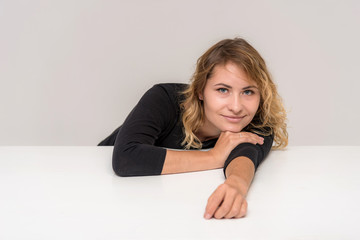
<point>229,199</point>
<point>189,161</point>
<point>240,173</point>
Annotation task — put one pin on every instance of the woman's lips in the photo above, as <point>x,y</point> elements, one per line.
<point>233,119</point>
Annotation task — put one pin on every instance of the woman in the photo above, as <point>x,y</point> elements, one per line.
<point>231,106</point>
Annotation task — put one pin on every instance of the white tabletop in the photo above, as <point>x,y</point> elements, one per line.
<point>72,193</point>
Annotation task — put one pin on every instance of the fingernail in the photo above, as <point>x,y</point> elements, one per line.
<point>207,216</point>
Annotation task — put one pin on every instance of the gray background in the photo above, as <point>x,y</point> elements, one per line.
<point>71,70</point>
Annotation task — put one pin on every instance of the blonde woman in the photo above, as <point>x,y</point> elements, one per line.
<point>231,107</point>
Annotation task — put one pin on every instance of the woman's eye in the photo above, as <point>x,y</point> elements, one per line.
<point>222,90</point>
<point>248,92</point>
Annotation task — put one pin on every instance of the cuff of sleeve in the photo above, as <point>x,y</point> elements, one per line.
<point>244,150</point>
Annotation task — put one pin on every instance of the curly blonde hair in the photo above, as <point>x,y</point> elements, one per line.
<point>270,118</point>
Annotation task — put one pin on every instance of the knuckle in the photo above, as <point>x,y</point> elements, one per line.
<point>212,200</point>
<point>235,211</point>
<point>222,186</point>
<point>225,208</point>
<point>232,191</point>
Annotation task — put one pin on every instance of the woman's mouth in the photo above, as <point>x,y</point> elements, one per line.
<point>233,119</point>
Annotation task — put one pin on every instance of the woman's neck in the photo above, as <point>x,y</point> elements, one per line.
<point>207,132</point>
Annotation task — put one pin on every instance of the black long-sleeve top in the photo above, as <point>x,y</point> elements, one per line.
<point>153,126</point>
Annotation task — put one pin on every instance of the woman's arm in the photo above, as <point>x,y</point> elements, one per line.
<point>228,200</point>
<point>188,161</point>
<point>135,151</point>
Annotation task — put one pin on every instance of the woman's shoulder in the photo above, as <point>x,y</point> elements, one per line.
<point>163,95</point>
<point>171,88</point>
<point>171,91</point>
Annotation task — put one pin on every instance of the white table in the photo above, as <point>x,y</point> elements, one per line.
<point>72,193</point>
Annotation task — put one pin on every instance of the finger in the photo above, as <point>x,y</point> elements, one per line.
<point>243,210</point>
<point>214,202</point>
<point>257,138</point>
<point>236,207</point>
<point>245,138</point>
<point>227,204</point>
<point>251,138</point>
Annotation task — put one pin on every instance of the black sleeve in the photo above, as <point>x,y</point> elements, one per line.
<point>134,151</point>
<point>256,153</point>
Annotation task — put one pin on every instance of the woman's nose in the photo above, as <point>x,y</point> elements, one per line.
<point>235,104</point>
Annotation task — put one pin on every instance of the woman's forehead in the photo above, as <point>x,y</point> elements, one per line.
<point>231,73</point>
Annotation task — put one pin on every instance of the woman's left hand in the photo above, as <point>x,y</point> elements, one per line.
<point>227,201</point>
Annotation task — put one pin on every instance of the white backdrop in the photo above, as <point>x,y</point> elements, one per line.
<point>71,70</point>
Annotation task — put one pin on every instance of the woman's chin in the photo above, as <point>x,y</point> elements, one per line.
<point>233,129</point>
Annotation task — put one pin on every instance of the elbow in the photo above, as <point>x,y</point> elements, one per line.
<point>120,165</point>
<point>122,170</point>
<point>121,173</point>
<point>125,166</point>
<point>126,163</point>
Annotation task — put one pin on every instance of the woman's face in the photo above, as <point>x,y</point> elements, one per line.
<point>230,100</point>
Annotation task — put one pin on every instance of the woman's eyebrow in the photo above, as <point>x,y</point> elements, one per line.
<point>223,84</point>
<point>249,87</point>
<point>228,86</point>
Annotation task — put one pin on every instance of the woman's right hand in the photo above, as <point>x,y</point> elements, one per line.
<point>229,140</point>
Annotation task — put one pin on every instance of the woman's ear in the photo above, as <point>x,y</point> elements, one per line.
<point>200,96</point>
